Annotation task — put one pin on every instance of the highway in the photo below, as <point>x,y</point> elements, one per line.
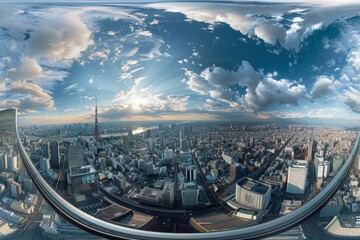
<point>108,230</point>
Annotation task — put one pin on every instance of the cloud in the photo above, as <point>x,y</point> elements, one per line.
<point>322,87</point>
<point>351,97</point>
<point>28,97</point>
<point>59,39</point>
<point>261,91</point>
<point>28,70</point>
<point>75,87</point>
<point>266,23</point>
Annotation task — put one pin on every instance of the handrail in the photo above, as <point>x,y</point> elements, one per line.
<point>109,230</point>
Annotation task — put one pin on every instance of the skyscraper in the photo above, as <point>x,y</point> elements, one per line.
<point>54,156</point>
<point>297,175</point>
<point>167,196</point>
<point>75,156</point>
<point>46,150</point>
<point>97,131</point>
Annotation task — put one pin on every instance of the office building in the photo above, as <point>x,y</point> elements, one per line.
<point>150,196</point>
<point>125,143</point>
<point>236,171</point>
<point>12,163</point>
<point>75,156</point>
<point>191,174</point>
<point>16,189</point>
<point>252,194</point>
<point>167,196</point>
<point>85,187</point>
<point>338,161</point>
<point>168,157</point>
<point>46,150</point>
<point>4,228</point>
<point>120,181</point>
<point>44,164</point>
<point>54,156</point>
<point>190,194</point>
<point>297,175</point>
<point>50,223</point>
<point>3,162</point>
<point>183,145</point>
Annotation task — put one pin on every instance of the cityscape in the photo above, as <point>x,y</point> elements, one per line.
<point>189,120</point>
<point>178,177</point>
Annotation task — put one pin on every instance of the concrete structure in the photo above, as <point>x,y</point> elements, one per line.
<point>85,187</point>
<point>236,171</point>
<point>16,189</point>
<point>191,174</point>
<point>150,196</point>
<point>190,194</point>
<point>54,156</point>
<point>46,150</point>
<point>50,223</point>
<point>12,162</point>
<point>120,181</point>
<point>75,156</point>
<point>167,195</point>
<point>297,175</point>
<point>288,206</point>
<point>20,206</point>
<point>252,194</point>
<point>4,228</point>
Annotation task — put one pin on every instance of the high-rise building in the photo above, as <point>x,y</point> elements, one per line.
<point>125,143</point>
<point>54,156</point>
<point>149,168</point>
<point>183,145</point>
<point>97,130</point>
<point>16,189</point>
<point>236,171</point>
<point>297,174</point>
<point>75,156</point>
<point>120,181</point>
<point>338,161</point>
<point>3,162</point>
<point>162,139</point>
<point>46,150</point>
<point>44,164</point>
<point>50,223</point>
<point>167,196</point>
<point>85,187</point>
<point>190,194</point>
<point>12,162</point>
<point>168,157</point>
<point>191,174</point>
<point>252,194</point>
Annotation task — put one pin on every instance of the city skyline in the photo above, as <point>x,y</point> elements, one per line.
<point>238,62</point>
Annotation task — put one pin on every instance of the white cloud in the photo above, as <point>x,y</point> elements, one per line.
<point>322,87</point>
<point>28,70</point>
<point>59,39</point>
<point>351,97</point>
<point>261,91</point>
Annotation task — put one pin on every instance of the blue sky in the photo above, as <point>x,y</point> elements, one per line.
<point>181,61</point>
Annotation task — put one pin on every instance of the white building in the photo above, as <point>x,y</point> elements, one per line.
<point>167,196</point>
<point>190,194</point>
<point>297,175</point>
<point>252,194</point>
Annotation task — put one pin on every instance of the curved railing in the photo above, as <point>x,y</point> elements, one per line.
<point>105,229</point>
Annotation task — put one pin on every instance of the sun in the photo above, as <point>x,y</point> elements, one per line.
<point>138,103</point>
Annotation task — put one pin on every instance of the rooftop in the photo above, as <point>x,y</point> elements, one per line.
<point>253,185</point>
<point>76,171</point>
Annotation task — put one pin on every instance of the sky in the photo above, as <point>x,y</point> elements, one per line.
<point>198,61</point>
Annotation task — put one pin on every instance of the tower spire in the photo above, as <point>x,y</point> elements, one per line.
<point>96,132</point>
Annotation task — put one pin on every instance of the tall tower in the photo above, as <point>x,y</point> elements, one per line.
<point>97,132</point>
